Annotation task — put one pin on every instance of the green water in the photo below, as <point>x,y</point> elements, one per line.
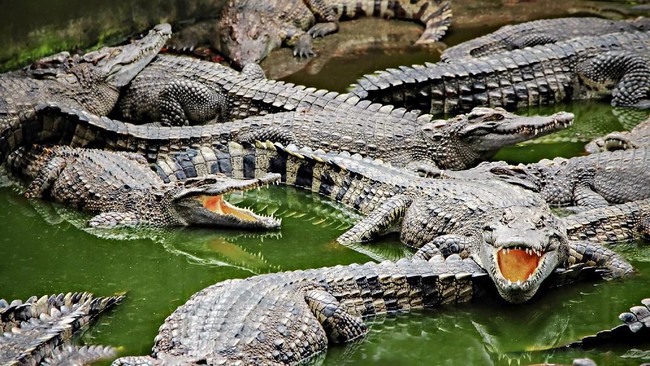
<point>43,252</point>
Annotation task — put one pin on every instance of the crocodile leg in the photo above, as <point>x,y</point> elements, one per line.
<point>274,134</point>
<point>340,326</point>
<point>46,178</point>
<point>178,102</point>
<point>445,245</point>
<point>596,255</point>
<point>381,221</point>
<point>184,101</point>
<point>327,21</point>
<point>629,72</point>
<point>436,19</point>
<point>531,40</point>
<point>586,198</point>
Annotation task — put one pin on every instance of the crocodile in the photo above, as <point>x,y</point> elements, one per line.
<point>392,197</point>
<point>40,329</point>
<point>591,181</point>
<point>249,29</point>
<point>638,137</point>
<point>427,213</point>
<point>289,318</point>
<point>121,190</point>
<point>182,90</point>
<point>539,32</point>
<point>394,135</point>
<point>91,82</point>
<point>585,67</point>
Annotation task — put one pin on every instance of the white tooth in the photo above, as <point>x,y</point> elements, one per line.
<point>518,282</point>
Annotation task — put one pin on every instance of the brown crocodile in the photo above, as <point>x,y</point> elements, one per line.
<point>91,82</point>
<point>249,29</point>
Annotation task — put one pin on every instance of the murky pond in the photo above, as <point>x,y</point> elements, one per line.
<point>43,251</point>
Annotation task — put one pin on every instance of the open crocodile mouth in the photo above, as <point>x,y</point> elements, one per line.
<point>517,263</point>
<point>218,205</point>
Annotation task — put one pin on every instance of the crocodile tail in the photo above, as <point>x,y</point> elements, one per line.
<point>35,327</point>
<point>73,355</point>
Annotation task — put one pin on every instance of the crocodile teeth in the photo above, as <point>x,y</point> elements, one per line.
<point>517,264</point>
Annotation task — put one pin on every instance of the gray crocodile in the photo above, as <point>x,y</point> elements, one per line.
<point>249,29</point>
<point>120,189</point>
<point>427,213</point>
<point>180,90</point>
<point>586,67</point>
<point>591,181</point>
<point>398,200</point>
<point>285,318</point>
<point>40,329</point>
<point>393,135</point>
<point>539,32</point>
<point>638,137</point>
<point>91,82</point>
<point>290,317</point>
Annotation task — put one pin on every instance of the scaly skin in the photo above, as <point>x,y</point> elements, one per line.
<point>79,356</point>
<point>622,222</point>
<point>580,68</point>
<point>290,317</point>
<point>181,90</point>
<point>539,32</point>
<point>121,190</point>
<point>394,137</point>
<point>638,137</point>
<point>427,213</point>
<point>36,329</point>
<point>90,82</point>
<point>285,318</point>
<point>591,181</point>
<point>249,29</point>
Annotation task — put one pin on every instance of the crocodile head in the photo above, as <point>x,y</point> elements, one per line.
<point>116,66</point>
<point>520,248</point>
<point>200,201</point>
<point>466,139</point>
<point>247,36</point>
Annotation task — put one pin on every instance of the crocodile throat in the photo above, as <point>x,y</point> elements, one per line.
<point>517,264</point>
<point>220,206</point>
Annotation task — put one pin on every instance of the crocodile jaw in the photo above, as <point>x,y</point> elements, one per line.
<point>228,214</point>
<point>518,274</point>
<point>201,202</point>
<point>119,65</point>
<point>521,249</point>
<point>489,136</point>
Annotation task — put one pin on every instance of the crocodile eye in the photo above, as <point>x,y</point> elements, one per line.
<point>495,117</point>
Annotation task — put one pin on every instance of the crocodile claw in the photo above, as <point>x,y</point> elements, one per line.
<point>304,47</point>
